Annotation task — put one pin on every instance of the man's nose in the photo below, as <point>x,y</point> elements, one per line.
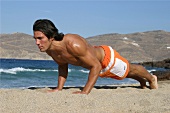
<point>37,42</point>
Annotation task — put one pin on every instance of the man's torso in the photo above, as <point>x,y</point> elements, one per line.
<point>64,56</point>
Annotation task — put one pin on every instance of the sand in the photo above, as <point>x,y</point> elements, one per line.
<point>102,99</point>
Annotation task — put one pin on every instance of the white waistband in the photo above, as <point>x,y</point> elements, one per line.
<point>111,60</point>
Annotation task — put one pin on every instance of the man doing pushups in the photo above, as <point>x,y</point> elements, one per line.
<point>102,60</point>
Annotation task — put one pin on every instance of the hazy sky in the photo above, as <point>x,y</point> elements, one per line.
<point>86,17</point>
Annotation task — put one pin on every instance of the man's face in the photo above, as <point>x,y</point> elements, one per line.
<point>42,41</point>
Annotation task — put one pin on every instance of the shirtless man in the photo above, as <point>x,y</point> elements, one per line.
<point>72,49</point>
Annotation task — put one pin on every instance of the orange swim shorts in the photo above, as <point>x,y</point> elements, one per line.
<point>113,65</point>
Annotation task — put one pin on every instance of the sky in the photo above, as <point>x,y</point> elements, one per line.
<point>86,17</point>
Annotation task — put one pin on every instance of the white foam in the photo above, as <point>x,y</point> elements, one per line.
<point>21,69</point>
<point>151,70</point>
<point>84,71</point>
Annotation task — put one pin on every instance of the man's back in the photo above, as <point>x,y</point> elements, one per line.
<point>74,49</point>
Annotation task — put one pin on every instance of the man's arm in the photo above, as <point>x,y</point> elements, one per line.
<point>62,76</point>
<point>95,68</point>
<point>86,55</point>
<point>92,78</point>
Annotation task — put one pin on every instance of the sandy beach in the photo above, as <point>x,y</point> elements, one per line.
<point>102,99</point>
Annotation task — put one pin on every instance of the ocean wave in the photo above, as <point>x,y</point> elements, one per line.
<point>150,70</point>
<point>84,71</point>
<point>21,69</point>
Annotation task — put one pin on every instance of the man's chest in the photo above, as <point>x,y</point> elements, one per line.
<point>66,58</point>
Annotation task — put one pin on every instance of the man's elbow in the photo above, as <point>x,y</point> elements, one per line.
<point>98,67</point>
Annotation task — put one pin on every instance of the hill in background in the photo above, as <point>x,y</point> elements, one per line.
<point>20,46</point>
<point>136,47</point>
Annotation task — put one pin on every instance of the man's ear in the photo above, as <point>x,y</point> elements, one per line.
<point>51,39</point>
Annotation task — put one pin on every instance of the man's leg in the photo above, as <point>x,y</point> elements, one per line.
<point>139,73</point>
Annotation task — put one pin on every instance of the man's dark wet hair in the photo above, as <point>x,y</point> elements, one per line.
<point>48,28</point>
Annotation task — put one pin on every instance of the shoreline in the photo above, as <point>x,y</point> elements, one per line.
<point>77,86</point>
<point>102,99</point>
<point>109,86</point>
<point>145,63</point>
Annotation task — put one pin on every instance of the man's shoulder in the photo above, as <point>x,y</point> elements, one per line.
<point>69,35</point>
<point>68,38</point>
<point>73,38</point>
<point>75,44</point>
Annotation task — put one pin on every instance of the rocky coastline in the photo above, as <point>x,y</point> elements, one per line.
<point>162,75</point>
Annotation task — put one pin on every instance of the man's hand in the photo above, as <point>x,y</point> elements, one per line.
<point>80,92</point>
<point>54,90</point>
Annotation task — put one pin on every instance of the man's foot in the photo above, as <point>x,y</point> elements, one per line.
<point>154,82</point>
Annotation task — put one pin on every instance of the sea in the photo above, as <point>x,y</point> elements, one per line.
<point>16,73</point>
